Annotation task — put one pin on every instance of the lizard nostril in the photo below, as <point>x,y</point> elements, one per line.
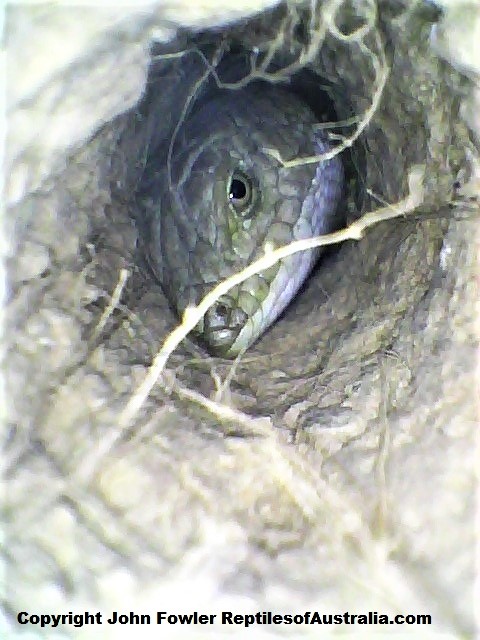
<point>222,311</point>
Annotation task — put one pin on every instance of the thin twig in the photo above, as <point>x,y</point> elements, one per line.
<point>112,305</point>
<point>250,426</point>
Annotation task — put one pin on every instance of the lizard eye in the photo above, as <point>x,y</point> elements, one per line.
<point>240,193</point>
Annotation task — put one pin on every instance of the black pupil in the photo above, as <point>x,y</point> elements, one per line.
<point>238,189</point>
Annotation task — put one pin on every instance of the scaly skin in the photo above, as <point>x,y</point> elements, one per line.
<point>194,236</point>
